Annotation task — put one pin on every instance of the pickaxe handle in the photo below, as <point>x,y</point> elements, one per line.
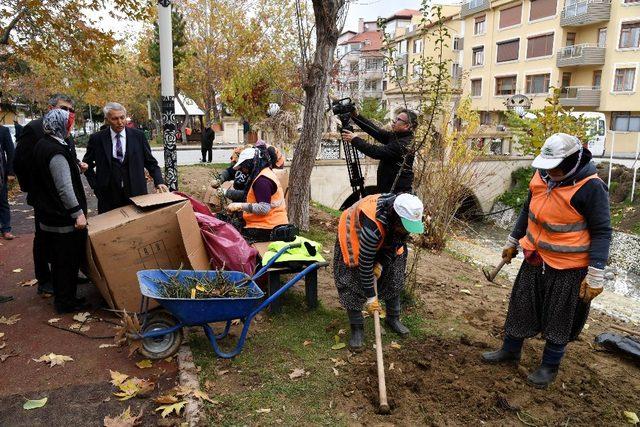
<point>382,385</point>
<point>492,275</point>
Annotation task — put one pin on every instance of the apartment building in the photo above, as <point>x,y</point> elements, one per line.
<point>413,42</point>
<point>588,48</point>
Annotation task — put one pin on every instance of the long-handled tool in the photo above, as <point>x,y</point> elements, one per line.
<point>382,385</point>
<point>490,275</point>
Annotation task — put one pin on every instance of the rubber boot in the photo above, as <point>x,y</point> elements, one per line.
<point>393,317</point>
<point>509,353</point>
<point>546,373</point>
<point>356,320</point>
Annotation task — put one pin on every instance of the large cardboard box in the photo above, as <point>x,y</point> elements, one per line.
<point>156,231</point>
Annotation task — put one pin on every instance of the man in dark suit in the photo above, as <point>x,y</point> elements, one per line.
<point>117,157</point>
<point>31,133</point>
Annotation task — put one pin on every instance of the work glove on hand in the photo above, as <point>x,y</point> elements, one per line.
<point>373,305</point>
<point>235,207</point>
<point>592,284</point>
<point>216,183</point>
<point>510,249</point>
<point>377,270</point>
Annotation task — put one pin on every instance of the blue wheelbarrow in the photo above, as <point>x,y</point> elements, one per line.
<point>161,330</point>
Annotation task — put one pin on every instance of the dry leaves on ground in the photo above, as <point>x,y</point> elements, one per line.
<point>54,320</point>
<point>130,387</point>
<point>79,327</point>
<point>12,320</point>
<point>297,373</point>
<point>107,345</point>
<point>5,356</point>
<point>174,407</point>
<point>129,325</point>
<point>144,364</point>
<point>54,359</point>
<point>17,270</point>
<point>81,317</point>
<point>25,283</point>
<point>395,345</point>
<point>35,404</point>
<point>125,419</point>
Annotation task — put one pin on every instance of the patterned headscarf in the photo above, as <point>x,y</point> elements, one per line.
<point>56,124</point>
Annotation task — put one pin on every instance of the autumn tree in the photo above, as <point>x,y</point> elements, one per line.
<point>316,69</point>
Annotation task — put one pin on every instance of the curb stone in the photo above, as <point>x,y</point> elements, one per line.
<point>188,377</point>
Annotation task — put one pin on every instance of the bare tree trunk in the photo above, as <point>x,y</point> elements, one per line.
<point>315,84</point>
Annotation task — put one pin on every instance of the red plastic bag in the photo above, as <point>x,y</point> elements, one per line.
<point>225,246</point>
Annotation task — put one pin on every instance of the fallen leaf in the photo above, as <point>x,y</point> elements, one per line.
<point>107,345</point>
<point>338,346</point>
<point>79,327</point>
<point>168,359</point>
<point>631,417</point>
<point>342,332</point>
<point>81,317</point>
<point>54,320</point>
<point>35,404</point>
<point>10,320</point>
<point>335,372</point>
<point>326,251</point>
<point>1,334</point>
<point>307,343</point>
<point>297,373</point>
<point>4,357</point>
<point>165,399</point>
<point>117,378</point>
<point>54,359</point>
<point>338,362</point>
<point>3,345</point>
<point>395,345</point>
<point>133,387</point>
<point>220,373</point>
<point>125,419</point>
<point>199,394</point>
<point>586,326</point>
<point>144,364</point>
<point>17,270</point>
<point>168,409</point>
<point>465,291</point>
<point>392,366</point>
<point>25,283</point>
<point>263,410</point>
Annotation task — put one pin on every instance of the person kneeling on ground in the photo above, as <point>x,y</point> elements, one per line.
<point>564,229</point>
<point>237,193</point>
<point>265,207</point>
<point>60,206</point>
<point>371,243</point>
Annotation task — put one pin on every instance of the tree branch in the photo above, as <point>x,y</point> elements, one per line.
<point>7,31</point>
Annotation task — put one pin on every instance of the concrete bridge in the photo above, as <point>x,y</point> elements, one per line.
<point>330,182</point>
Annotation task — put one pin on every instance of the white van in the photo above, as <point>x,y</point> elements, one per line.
<point>598,130</point>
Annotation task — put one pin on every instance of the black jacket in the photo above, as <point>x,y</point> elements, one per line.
<point>138,153</point>
<point>6,154</point>
<point>31,133</point>
<point>47,203</point>
<point>206,140</point>
<point>592,202</point>
<point>391,154</point>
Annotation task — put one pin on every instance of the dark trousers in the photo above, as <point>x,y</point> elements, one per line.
<point>40,257</point>
<point>207,154</point>
<point>66,251</point>
<point>5,210</point>
<point>253,235</point>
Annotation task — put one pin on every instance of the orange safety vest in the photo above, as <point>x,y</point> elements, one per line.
<point>349,228</point>
<point>555,229</point>
<point>278,213</point>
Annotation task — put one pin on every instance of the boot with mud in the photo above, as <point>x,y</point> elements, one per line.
<point>356,340</point>
<point>543,376</point>
<point>509,353</point>
<point>392,319</point>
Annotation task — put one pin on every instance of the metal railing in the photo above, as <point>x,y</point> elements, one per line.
<point>580,7</point>
<point>574,51</point>
<point>572,92</point>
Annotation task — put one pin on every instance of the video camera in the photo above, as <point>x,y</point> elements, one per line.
<point>343,109</point>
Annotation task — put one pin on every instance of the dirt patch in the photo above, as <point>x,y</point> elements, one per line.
<point>195,180</point>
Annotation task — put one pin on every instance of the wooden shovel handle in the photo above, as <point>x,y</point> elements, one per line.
<point>382,385</point>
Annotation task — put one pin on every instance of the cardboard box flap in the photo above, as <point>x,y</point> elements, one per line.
<point>192,239</point>
<point>156,200</point>
<point>109,220</point>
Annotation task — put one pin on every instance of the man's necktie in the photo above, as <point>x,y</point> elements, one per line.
<point>119,154</point>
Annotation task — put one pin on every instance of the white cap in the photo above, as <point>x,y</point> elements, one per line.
<point>246,154</point>
<point>409,208</point>
<point>555,149</point>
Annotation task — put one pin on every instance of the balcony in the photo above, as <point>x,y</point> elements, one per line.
<point>585,12</point>
<point>372,93</point>
<point>580,54</point>
<point>474,6</point>
<point>580,96</point>
<point>373,73</point>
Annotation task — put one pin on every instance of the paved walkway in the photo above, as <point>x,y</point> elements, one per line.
<point>79,392</point>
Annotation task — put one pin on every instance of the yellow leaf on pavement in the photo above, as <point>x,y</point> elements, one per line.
<point>81,317</point>
<point>10,320</point>
<point>125,419</point>
<point>168,409</point>
<point>54,359</point>
<point>17,270</point>
<point>166,399</point>
<point>25,283</point>
<point>117,378</point>
<point>631,417</point>
<point>54,320</point>
<point>144,364</point>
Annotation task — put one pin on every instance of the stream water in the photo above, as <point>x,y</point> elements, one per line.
<point>483,242</point>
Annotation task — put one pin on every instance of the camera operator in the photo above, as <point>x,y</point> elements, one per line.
<point>392,152</point>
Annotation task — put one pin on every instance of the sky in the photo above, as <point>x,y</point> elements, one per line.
<point>370,10</point>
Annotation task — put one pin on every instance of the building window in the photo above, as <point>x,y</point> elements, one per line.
<point>373,64</point>
<point>475,3</point>
<point>457,43</point>
<point>508,50</point>
<point>597,79</point>
<point>566,80</point>
<point>402,47</point>
<point>510,16</point>
<point>417,46</point>
<point>538,83</point>
<point>456,71</point>
<point>485,117</point>
<point>630,35</point>
<point>417,71</point>
<point>625,122</point>
<point>571,39</point>
<point>602,37</point>
<point>477,56</point>
<point>371,85</point>
<point>624,79</point>
<point>476,87</point>
<point>480,25</point>
<point>631,1</point>
<point>506,85</point>
<point>540,46</point>
<point>542,9</point>
<point>384,85</point>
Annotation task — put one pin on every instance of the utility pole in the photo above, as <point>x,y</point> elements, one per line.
<point>167,92</point>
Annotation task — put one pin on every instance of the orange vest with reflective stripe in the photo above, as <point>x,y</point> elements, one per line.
<point>278,213</point>
<point>349,228</point>
<point>555,228</point>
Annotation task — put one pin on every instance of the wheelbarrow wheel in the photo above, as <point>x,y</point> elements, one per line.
<point>163,346</point>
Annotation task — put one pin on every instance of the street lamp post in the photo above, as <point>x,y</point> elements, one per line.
<point>167,92</point>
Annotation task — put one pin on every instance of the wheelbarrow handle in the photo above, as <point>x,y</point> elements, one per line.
<point>273,259</point>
